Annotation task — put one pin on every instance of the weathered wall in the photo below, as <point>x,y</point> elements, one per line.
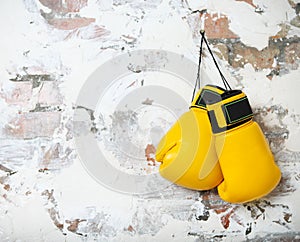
<point>49,48</point>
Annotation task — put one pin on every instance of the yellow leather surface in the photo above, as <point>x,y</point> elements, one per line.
<point>247,164</point>
<point>188,154</point>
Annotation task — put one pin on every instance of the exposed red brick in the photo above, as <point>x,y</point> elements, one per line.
<point>54,215</point>
<point>150,152</point>
<point>223,54</point>
<point>221,210</point>
<point>225,219</point>
<point>70,23</point>
<point>18,93</point>
<point>6,187</point>
<point>74,224</point>
<point>217,27</point>
<point>59,225</point>
<point>63,8</point>
<point>258,59</point>
<point>250,2</point>
<point>130,228</point>
<point>32,125</point>
<point>292,55</point>
<point>75,5</point>
<point>89,32</point>
<point>68,6</point>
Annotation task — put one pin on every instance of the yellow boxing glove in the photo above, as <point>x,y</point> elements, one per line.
<point>187,153</point>
<point>245,158</point>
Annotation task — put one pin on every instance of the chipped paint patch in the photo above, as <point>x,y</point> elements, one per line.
<point>45,60</point>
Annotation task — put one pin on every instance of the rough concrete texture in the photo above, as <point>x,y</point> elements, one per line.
<point>50,47</point>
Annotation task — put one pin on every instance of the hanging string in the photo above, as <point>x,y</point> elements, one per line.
<point>226,84</point>
<point>199,64</point>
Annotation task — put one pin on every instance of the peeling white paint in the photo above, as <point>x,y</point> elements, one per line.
<point>257,86</point>
<point>285,91</point>
<point>170,214</point>
<point>254,29</point>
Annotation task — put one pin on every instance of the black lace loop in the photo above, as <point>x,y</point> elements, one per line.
<point>197,83</point>
<point>198,73</point>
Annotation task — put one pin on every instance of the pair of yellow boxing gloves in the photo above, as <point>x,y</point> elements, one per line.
<point>217,144</point>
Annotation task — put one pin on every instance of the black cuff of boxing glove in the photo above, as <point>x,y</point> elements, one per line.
<point>208,94</point>
<point>231,111</point>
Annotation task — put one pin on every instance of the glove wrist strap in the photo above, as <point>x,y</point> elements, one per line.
<point>228,110</point>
